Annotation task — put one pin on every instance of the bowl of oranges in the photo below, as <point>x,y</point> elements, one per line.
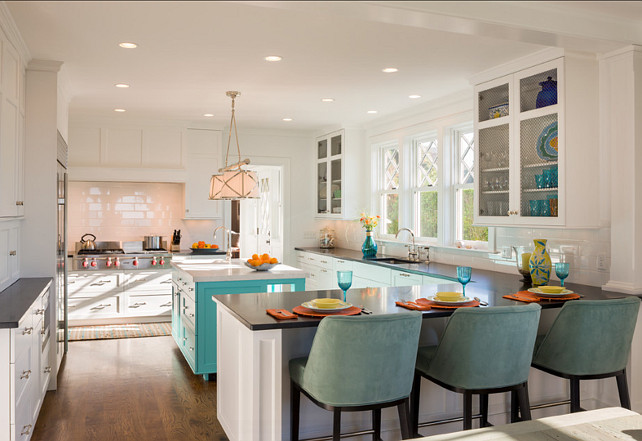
<point>261,263</point>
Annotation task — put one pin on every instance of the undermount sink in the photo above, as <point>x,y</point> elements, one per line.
<point>393,260</point>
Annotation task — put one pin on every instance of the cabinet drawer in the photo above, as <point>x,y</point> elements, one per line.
<point>189,346</point>
<point>86,284</point>
<point>23,371</point>
<point>23,421</point>
<point>343,265</point>
<point>22,337</point>
<point>45,370</point>
<point>149,305</point>
<point>80,307</point>
<point>149,281</point>
<point>318,260</point>
<point>402,278</point>
<point>188,310</point>
<point>373,272</point>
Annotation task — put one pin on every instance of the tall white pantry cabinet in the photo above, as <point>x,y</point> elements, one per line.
<point>537,161</point>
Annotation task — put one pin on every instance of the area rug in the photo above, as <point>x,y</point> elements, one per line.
<point>134,330</point>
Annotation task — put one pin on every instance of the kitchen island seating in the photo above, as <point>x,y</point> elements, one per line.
<point>355,364</point>
<point>589,340</point>
<point>481,351</point>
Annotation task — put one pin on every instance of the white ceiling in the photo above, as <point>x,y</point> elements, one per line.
<point>190,53</point>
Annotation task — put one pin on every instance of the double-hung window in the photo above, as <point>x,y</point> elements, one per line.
<point>389,187</point>
<point>426,186</point>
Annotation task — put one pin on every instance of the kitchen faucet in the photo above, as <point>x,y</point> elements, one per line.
<point>412,252</point>
<point>228,252</point>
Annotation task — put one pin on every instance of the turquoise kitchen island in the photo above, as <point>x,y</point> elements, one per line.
<point>194,282</point>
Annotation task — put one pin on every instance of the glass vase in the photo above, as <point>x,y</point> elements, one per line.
<point>540,263</point>
<point>369,248</point>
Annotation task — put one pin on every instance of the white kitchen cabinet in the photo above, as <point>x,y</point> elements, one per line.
<point>339,188</point>
<point>518,140</point>
<point>202,161</point>
<point>9,248</point>
<point>24,372</point>
<point>403,278</point>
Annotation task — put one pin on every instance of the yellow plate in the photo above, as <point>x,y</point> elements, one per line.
<point>338,307</point>
<point>551,289</point>
<point>448,296</point>
<point>326,303</point>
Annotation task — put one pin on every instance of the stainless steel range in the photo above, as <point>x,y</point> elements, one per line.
<point>119,256</point>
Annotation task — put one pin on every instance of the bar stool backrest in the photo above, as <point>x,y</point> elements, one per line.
<point>363,360</point>
<point>590,337</point>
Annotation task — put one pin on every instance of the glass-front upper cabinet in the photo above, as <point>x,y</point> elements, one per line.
<point>519,132</point>
<point>330,175</point>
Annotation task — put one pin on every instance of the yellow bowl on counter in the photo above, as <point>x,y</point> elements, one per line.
<point>551,289</point>
<point>448,296</point>
<point>326,303</point>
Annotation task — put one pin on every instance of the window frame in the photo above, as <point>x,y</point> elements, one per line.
<point>415,190</point>
<point>382,192</point>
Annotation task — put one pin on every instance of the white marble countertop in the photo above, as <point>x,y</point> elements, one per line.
<point>217,270</point>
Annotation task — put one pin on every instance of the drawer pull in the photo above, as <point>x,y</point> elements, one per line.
<point>191,289</point>
<point>191,314</point>
<point>26,430</point>
<point>43,332</point>
<point>166,304</point>
<point>27,331</point>
<point>191,348</point>
<point>404,275</point>
<point>25,374</point>
<point>184,338</point>
<point>20,203</point>
<point>341,261</point>
<point>39,311</point>
<point>12,253</point>
<point>101,306</point>
<point>324,261</point>
<point>137,304</point>
<point>324,271</point>
<point>166,281</point>
<point>47,369</point>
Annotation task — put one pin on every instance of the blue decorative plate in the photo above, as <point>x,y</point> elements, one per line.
<point>547,143</point>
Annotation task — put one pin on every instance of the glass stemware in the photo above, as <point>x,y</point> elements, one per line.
<point>345,282</point>
<point>463,275</point>
<point>561,270</point>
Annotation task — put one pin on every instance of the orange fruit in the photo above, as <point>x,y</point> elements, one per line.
<point>214,246</point>
<point>255,257</point>
<point>265,257</point>
<point>256,263</point>
<point>274,260</point>
<point>249,261</point>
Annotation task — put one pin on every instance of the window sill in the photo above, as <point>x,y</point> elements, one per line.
<point>464,251</point>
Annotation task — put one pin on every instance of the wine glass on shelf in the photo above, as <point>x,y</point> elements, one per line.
<point>561,270</point>
<point>345,282</point>
<point>463,275</point>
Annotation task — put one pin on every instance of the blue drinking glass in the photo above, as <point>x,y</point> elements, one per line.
<point>548,177</point>
<point>539,181</point>
<point>561,270</point>
<point>463,275</point>
<point>345,282</point>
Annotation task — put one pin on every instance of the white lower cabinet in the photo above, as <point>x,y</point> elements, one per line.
<point>25,371</point>
<point>98,297</point>
<point>402,278</point>
<point>9,264</point>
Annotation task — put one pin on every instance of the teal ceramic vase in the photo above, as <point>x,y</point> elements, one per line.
<point>540,263</point>
<point>369,248</point>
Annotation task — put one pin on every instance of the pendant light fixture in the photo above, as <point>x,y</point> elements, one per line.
<point>233,182</point>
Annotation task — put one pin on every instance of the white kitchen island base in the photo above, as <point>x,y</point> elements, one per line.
<point>253,388</point>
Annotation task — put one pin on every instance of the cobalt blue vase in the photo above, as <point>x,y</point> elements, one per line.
<point>369,248</point>
<point>548,95</point>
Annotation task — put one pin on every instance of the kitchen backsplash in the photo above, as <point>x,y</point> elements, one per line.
<point>127,211</point>
<point>587,250</point>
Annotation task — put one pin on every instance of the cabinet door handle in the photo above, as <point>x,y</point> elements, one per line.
<point>166,281</point>
<point>27,331</point>
<point>191,348</point>
<point>26,430</point>
<point>166,304</point>
<point>404,275</point>
<point>39,312</point>
<point>12,252</point>
<point>324,261</point>
<point>25,374</point>
<point>20,203</point>
<point>47,370</point>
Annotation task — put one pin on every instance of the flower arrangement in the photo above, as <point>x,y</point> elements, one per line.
<point>369,222</point>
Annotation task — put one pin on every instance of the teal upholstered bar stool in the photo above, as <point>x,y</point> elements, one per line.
<point>356,364</point>
<point>482,351</point>
<point>588,340</point>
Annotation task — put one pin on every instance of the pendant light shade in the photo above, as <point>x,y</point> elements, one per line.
<point>233,182</point>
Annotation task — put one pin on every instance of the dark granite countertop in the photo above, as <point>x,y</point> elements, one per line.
<point>17,298</point>
<point>489,286</point>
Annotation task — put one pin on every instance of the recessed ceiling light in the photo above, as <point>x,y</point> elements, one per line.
<point>128,45</point>
<point>273,58</point>
<point>287,119</point>
<point>389,70</point>
<point>208,114</point>
<point>122,85</point>
<point>372,111</point>
<point>119,110</point>
<point>414,97</point>
<point>327,100</point>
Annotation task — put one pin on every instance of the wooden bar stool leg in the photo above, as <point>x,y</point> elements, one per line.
<point>404,419</point>
<point>575,395</point>
<point>336,426</point>
<point>295,403</point>
<point>468,410</point>
<point>623,389</point>
<point>514,407</point>
<point>524,402</point>
<point>483,409</point>
<point>414,402</point>
<point>376,424</point>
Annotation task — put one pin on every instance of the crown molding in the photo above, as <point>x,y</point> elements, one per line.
<point>10,28</point>
<point>517,64</point>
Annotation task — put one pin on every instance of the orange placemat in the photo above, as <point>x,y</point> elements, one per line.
<point>529,297</point>
<point>426,302</point>
<point>301,310</point>
<point>281,314</point>
<point>413,305</point>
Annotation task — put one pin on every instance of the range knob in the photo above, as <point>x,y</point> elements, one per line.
<point>117,262</point>
<point>154,261</point>
<point>85,263</point>
<point>135,262</point>
<point>94,264</point>
<point>108,262</point>
<point>162,261</point>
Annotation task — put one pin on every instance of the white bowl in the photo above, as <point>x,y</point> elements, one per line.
<point>262,267</point>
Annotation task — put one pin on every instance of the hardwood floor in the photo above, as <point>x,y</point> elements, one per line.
<point>128,389</point>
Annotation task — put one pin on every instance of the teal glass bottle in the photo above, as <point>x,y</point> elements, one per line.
<point>369,248</point>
